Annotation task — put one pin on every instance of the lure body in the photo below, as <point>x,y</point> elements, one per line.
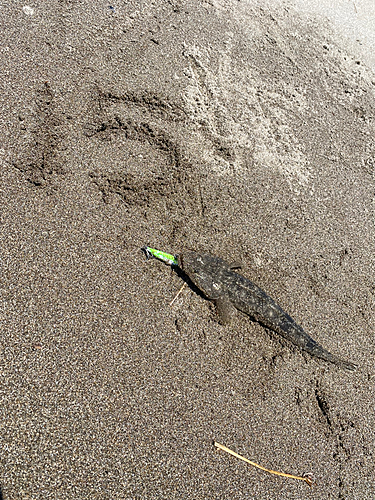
<point>169,259</point>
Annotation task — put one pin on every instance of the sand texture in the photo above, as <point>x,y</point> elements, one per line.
<point>225,127</point>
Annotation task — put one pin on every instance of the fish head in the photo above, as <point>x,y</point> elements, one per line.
<point>204,271</point>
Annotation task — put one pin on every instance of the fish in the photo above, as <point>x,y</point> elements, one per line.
<point>229,290</point>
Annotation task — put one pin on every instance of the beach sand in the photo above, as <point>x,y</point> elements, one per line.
<point>224,127</point>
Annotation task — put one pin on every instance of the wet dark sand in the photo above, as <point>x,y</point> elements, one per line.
<point>229,129</point>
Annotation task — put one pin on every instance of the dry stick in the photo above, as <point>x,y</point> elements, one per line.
<point>178,293</point>
<point>224,448</point>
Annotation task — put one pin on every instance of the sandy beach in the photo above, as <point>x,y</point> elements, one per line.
<point>225,127</point>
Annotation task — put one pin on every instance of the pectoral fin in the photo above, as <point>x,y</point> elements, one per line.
<point>225,310</point>
<point>235,265</point>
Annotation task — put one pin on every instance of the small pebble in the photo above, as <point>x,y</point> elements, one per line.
<point>29,11</point>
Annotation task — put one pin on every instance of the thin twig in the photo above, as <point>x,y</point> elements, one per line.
<point>307,479</point>
<point>178,293</point>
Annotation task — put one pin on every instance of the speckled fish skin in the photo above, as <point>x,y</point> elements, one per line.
<point>215,278</point>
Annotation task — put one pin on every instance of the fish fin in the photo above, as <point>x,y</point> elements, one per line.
<point>225,310</point>
<point>235,265</point>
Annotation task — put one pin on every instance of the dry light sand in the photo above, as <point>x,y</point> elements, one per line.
<point>220,126</point>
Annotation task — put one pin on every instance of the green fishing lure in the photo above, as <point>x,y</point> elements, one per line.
<point>169,259</point>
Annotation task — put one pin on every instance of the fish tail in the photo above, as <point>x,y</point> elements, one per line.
<point>319,352</point>
<point>297,335</point>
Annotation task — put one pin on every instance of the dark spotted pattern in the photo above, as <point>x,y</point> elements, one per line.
<point>215,278</point>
